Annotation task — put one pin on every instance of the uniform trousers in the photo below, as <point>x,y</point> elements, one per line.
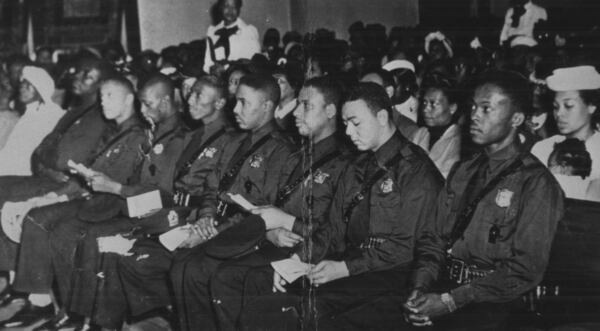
<point>369,301</point>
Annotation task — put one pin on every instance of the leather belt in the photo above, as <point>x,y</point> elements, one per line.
<point>460,272</point>
<point>371,242</point>
<point>186,200</point>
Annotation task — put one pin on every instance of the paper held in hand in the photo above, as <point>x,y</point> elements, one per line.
<point>175,237</point>
<point>79,168</point>
<point>240,200</point>
<point>291,269</point>
<point>144,204</point>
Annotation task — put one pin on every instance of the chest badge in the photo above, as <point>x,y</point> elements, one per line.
<point>256,161</point>
<point>208,152</point>
<point>158,149</point>
<point>113,151</point>
<point>503,198</point>
<point>387,186</point>
<point>173,218</point>
<point>320,176</point>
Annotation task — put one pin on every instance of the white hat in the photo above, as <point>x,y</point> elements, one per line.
<point>574,79</point>
<point>437,35</point>
<point>399,64</point>
<point>41,81</point>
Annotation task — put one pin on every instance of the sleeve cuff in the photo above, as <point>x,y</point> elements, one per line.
<point>463,295</point>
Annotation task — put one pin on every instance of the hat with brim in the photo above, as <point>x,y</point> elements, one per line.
<point>574,79</point>
<point>399,64</point>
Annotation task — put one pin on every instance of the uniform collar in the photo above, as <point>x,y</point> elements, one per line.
<point>129,123</point>
<point>326,146</point>
<point>214,126</point>
<point>168,125</point>
<point>262,131</point>
<point>506,153</point>
<point>389,148</point>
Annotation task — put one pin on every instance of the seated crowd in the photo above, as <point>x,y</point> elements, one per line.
<point>320,184</point>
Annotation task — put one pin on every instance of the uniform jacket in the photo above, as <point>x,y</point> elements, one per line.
<point>393,212</point>
<point>524,208</point>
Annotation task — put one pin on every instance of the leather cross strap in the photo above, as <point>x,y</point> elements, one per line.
<point>228,179</point>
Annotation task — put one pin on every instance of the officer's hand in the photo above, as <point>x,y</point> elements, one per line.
<point>327,271</point>
<point>430,305</point>
<point>206,227</point>
<point>411,314</point>
<point>281,237</point>
<point>278,283</point>
<point>274,217</point>
<point>194,239</point>
<point>100,182</point>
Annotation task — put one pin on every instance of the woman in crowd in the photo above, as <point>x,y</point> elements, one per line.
<point>576,98</point>
<point>439,111</point>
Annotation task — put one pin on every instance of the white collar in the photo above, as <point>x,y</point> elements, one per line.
<point>282,111</point>
<point>239,22</point>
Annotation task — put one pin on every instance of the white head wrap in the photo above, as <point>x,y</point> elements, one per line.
<point>399,64</point>
<point>41,81</point>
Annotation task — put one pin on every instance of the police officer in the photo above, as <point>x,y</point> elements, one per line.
<point>496,219</point>
<point>306,197</point>
<point>104,302</point>
<point>251,165</point>
<point>118,157</point>
<point>382,202</point>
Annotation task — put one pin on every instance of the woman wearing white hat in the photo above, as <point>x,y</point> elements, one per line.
<point>576,102</point>
<point>40,117</point>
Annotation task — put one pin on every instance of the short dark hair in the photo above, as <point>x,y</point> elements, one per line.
<point>104,68</point>
<point>293,74</point>
<point>572,152</point>
<point>121,82</point>
<point>386,77</point>
<point>442,83</point>
<point>329,88</point>
<point>238,3</point>
<point>373,95</point>
<point>165,82</point>
<point>215,83</point>
<point>513,85</point>
<point>266,84</point>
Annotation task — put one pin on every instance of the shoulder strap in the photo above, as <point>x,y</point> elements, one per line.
<point>360,195</point>
<point>188,164</point>
<point>111,142</point>
<point>284,194</point>
<point>227,180</point>
<point>466,214</point>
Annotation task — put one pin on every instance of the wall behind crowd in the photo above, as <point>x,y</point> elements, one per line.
<point>164,23</point>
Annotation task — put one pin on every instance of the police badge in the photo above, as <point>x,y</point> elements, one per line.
<point>320,177</point>
<point>208,152</point>
<point>387,185</point>
<point>503,198</point>
<point>113,151</point>
<point>158,149</point>
<point>256,161</point>
<point>173,218</point>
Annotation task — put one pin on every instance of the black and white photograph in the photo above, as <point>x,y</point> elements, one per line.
<point>299,165</point>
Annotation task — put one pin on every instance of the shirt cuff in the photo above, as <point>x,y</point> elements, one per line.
<point>463,295</point>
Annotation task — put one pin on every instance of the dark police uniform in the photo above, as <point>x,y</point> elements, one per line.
<point>504,248</point>
<point>309,200</point>
<point>375,239</point>
<point>118,158</point>
<point>145,274</point>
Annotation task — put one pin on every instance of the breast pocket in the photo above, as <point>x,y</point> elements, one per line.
<point>496,229</point>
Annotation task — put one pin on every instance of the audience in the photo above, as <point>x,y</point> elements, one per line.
<point>303,176</point>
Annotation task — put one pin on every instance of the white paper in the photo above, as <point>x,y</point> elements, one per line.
<point>291,269</point>
<point>240,200</point>
<point>144,204</point>
<point>115,244</point>
<point>174,237</point>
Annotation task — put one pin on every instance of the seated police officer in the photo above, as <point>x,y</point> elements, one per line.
<point>495,222</point>
<point>363,251</point>
<point>251,165</point>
